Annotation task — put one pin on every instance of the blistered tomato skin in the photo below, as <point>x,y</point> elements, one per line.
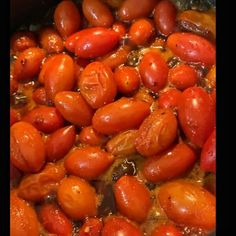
<point>196,114</point>
<point>169,99</point>
<point>91,227</point>
<point>166,230</point>
<point>27,150</point>
<point>110,119</point>
<point>189,204</point>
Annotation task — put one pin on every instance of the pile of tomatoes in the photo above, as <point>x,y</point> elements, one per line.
<point>112,128</point>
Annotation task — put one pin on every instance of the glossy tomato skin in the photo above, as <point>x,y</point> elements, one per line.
<point>154,71</point>
<point>92,42</point>
<point>27,150</point>
<point>166,230</point>
<point>14,116</point>
<point>192,48</point>
<point>119,28</point>
<point>74,108</point>
<point>91,227</point>
<point>97,84</point>
<point>171,164</point>
<point>208,154</point>
<point>144,95</point>
<point>196,114</point>
<point>157,132</point>
<point>110,118</point>
<point>88,162</point>
<point>189,204</point>
<point>40,97</point>
<point>130,194</point>
<point>169,99</point>
<point>115,226</point>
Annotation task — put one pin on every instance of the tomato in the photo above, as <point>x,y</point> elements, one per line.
<point>40,97</point>
<point>166,230</point>
<point>144,95</point>
<point>27,150</point>
<point>92,42</point>
<point>91,137</point>
<point>171,164</point>
<point>54,220</point>
<point>129,10</point>
<point>58,75</point>
<point>50,40</point>
<point>110,118</point>
<point>23,218</point>
<point>97,84</point>
<point>28,63</point>
<point>127,79</point>
<point>165,17</point>
<point>67,18</point>
<point>36,187</point>
<point>157,132</point>
<point>77,198</point>
<point>154,71</point>
<point>116,226</point>
<point>14,116</point>
<point>130,194</point>
<point>97,13</point>
<point>13,86</point>
<point>169,99</point>
<point>91,227</point>
<point>208,154</point>
<point>188,204</point>
<point>45,119</point>
<point>119,28</point>
<point>122,143</point>
<point>182,76</point>
<point>211,77</point>
<point>14,173</point>
<point>74,108</point>
<point>196,113</point>
<point>60,142</point>
<point>88,162</point>
<point>192,48</point>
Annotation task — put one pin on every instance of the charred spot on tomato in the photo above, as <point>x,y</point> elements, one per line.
<point>172,62</point>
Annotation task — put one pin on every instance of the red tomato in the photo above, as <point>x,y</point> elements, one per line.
<point>165,17</point>
<point>182,76</point>
<point>116,226</point>
<point>92,42</point>
<point>88,162</point>
<point>119,28</point>
<point>97,84</point>
<point>13,86</point>
<point>60,142</point>
<point>192,48</point>
<point>77,198</point>
<point>91,227</point>
<point>40,97</point>
<point>97,13</point>
<point>121,115</point>
<point>54,220</point>
<point>127,79</point>
<point>144,95</point>
<point>27,151</point>
<point>188,204</point>
<point>14,172</point>
<point>211,77</point>
<point>166,230</point>
<point>154,71</point>
<point>14,116</point>
<point>169,99</point>
<point>169,165</point>
<point>45,119</point>
<point>196,113</point>
<point>130,194</point>
<point>67,18</point>
<point>74,108</point>
<point>208,155</point>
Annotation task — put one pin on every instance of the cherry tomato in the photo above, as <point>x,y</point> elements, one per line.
<point>211,77</point>
<point>188,204</point>
<point>40,97</point>
<point>166,230</point>
<point>119,28</point>
<point>130,194</point>
<point>97,84</point>
<point>157,132</point>
<point>27,151</point>
<point>67,18</point>
<point>144,95</point>
<point>127,79</point>
<point>110,118</point>
<point>88,162</point>
<point>208,155</point>
<point>14,172</point>
<point>154,71</point>
<point>77,198</point>
<point>171,164</point>
<point>13,86</point>
<point>91,227</point>
<point>14,116</point>
<point>196,113</point>
<point>97,13</point>
<point>74,108</point>
<point>45,119</point>
<point>169,99</point>
<point>116,226</point>
<point>192,48</point>
<point>165,17</point>
<point>60,142</point>
<point>54,220</point>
